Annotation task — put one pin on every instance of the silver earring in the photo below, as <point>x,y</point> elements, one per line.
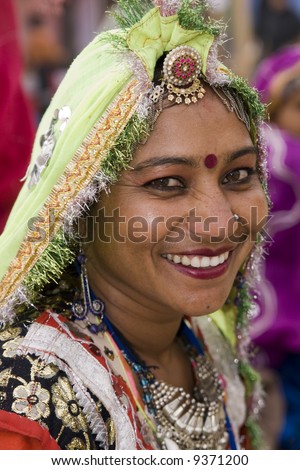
<point>83,309</point>
<point>236,217</point>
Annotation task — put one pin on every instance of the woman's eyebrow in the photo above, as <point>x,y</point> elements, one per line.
<point>161,161</point>
<point>189,161</point>
<point>241,153</point>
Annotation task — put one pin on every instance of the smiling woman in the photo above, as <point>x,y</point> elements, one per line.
<point>124,295</point>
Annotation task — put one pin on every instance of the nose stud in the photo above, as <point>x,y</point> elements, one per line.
<point>236,217</point>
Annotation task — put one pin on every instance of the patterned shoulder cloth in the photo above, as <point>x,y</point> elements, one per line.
<point>61,386</point>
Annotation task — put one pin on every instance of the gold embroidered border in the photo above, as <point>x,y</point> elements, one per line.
<point>84,165</point>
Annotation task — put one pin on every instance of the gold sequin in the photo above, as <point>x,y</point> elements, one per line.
<point>111,431</point>
<point>41,369</point>
<point>9,333</point>
<point>109,353</point>
<point>76,444</point>
<point>4,377</point>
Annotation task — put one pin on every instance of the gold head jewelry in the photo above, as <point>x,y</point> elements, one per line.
<point>181,71</point>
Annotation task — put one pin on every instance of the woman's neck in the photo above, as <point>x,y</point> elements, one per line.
<point>163,359</point>
<point>145,331</point>
<point>151,331</point>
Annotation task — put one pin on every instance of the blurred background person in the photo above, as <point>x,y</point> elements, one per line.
<point>27,42</point>
<point>276,330</point>
<point>260,27</point>
<point>16,118</point>
<point>38,41</point>
<point>45,47</point>
<point>277,23</point>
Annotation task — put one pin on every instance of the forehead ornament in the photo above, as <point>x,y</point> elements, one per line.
<point>211,161</point>
<point>181,69</point>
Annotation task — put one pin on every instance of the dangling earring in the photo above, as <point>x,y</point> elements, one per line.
<point>82,310</point>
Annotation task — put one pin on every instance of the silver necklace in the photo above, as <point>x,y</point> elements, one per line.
<point>196,421</point>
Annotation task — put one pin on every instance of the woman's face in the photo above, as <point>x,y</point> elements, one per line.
<point>170,242</point>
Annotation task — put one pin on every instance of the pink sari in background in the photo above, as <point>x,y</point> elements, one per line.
<point>16,119</point>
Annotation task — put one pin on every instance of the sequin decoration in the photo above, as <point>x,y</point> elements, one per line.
<point>109,353</point>
<point>47,143</point>
<point>181,70</point>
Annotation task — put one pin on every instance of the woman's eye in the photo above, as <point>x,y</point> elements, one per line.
<point>164,184</point>
<point>240,175</point>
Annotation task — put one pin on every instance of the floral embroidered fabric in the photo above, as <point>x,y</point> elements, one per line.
<point>31,388</point>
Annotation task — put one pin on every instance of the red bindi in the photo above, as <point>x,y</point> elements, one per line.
<point>210,161</point>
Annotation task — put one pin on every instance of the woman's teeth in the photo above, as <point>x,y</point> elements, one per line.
<point>199,261</point>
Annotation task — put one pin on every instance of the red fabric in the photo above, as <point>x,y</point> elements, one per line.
<point>20,433</point>
<point>16,118</point>
<point>14,441</point>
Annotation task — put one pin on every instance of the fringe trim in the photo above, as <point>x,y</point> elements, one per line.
<point>168,7</point>
<point>263,158</point>
<point>145,85</point>
<point>215,72</point>
<point>54,346</point>
<point>7,312</point>
<point>83,202</point>
<point>45,260</point>
<point>50,264</point>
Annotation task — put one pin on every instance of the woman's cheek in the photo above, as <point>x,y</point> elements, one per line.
<point>256,213</point>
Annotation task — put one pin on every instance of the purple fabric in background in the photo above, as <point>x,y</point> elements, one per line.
<point>276,329</point>
<point>280,61</point>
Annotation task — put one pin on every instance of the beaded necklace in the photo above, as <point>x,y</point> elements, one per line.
<point>183,421</point>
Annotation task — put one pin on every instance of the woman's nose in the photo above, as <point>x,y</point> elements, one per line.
<point>213,218</point>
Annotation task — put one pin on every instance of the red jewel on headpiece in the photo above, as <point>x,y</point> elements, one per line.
<point>182,66</point>
<point>210,161</point>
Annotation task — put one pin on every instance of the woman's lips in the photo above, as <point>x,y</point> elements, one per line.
<point>201,266</point>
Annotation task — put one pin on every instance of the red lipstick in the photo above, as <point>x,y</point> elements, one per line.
<point>210,272</point>
<point>202,273</point>
<point>206,251</point>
